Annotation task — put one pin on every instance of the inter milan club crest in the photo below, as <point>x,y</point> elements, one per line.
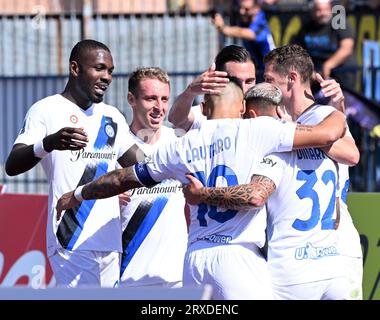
<point>110,131</point>
<point>74,119</point>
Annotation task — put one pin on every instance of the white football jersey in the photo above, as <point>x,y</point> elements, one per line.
<point>221,153</point>
<point>154,228</point>
<point>198,117</point>
<point>349,239</point>
<point>302,242</point>
<point>88,226</point>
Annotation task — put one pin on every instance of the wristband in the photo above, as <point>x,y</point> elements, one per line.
<point>78,193</point>
<point>38,150</point>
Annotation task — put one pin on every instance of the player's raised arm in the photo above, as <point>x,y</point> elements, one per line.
<point>325,133</point>
<point>343,150</point>
<point>210,82</point>
<point>331,89</point>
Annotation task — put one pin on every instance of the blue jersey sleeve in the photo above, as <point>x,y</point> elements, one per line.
<point>260,27</point>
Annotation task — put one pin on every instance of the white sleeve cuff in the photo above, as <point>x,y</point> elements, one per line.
<point>38,150</point>
<point>287,137</point>
<point>78,193</point>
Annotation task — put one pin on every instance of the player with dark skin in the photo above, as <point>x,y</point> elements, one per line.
<point>88,81</point>
<point>57,130</point>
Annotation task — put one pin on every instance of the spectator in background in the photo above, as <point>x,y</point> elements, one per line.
<point>374,4</point>
<point>330,48</point>
<point>268,2</point>
<point>253,30</point>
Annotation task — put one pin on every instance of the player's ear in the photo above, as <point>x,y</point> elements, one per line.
<point>252,113</point>
<point>243,108</point>
<point>131,98</point>
<point>204,108</point>
<point>292,76</point>
<point>74,68</point>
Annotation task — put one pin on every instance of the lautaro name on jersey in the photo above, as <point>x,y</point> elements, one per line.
<point>208,151</point>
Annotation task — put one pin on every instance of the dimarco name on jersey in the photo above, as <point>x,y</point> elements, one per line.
<point>311,153</point>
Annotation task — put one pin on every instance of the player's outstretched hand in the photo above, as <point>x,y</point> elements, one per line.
<point>209,82</point>
<point>332,89</point>
<point>67,138</point>
<point>192,190</point>
<point>124,198</point>
<point>67,201</point>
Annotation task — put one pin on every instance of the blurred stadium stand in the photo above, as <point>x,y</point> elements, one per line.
<point>176,35</point>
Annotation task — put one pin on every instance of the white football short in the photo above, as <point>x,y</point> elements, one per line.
<point>329,289</point>
<point>354,273</point>
<point>234,271</point>
<point>85,268</point>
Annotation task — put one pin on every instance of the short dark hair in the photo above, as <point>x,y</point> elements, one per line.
<point>232,53</point>
<point>84,46</point>
<point>146,73</point>
<point>291,57</point>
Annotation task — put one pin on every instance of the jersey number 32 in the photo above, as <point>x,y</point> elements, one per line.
<point>307,191</point>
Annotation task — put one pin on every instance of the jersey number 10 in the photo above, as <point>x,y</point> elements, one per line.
<point>203,209</point>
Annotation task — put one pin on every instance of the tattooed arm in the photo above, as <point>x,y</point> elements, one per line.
<point>239,197</point>
<point>111,184</point>
<point>325,133</point>
<point>132,156</point>
<point>108,185</point>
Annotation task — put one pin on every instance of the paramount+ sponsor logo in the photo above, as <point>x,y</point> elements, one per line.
<point>159,189</point>
<point>82,154</point>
